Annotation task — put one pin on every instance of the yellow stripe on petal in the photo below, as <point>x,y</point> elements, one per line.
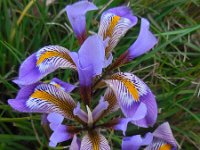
<point>129,85</point>
<point>113,23</point>
<point>49,54</point>
<point>94,137</point>
<point>93,140</point>
<point>165,147</point>
<point>132,89</point>
<point>59,102</point>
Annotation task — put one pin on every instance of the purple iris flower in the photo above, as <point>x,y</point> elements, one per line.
<point>161,139</point>
<point>123,90</point>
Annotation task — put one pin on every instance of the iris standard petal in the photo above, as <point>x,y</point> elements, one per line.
<point>130,92</point>
<point>45,98</point>
<point>89,61</point>
<point>43,62</point>
<point>136,141</point>
<point>114,24</point>
<point>94,141</point>
<point>76,143</point>
<point>76,14</point>
<point>91,54</point>
<point>163,138</point>
<point>67,87</point>
<point>145,41</point>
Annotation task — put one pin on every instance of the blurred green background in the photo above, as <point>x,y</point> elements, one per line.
<point>171,69</point>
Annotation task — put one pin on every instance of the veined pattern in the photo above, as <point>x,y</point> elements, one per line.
<point>52,57</point>
<point>113,27</point>
<point>94,141</point>
<point>48,98</point>
<point>128,87</point>
<point>159,145</point>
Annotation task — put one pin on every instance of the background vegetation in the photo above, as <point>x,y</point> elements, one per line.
<point>171,69</point>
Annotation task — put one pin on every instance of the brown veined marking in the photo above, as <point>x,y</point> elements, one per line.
<point>165,147</point>
<point>63,105</point>
<point>109,31</point>
<point>130,86</point>
<point>49,54</point>
<point>95,139</point>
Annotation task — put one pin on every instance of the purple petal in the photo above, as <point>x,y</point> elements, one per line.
<point>45,98</point>
<point>131,92</point>
<point>145,41</point>
<point>164,133</point>
<point>67,87</point>
<point>76,15</point>
<point>43,62</point>
<point>94,140</point>
<point>80,113</point>
<point>125,12</point>
<point>60,134</point>
<point>76,143</point>
<point>136,141</point>
<point>122,125</point>
<point>99,109</point>
<point>24,93</point>
<point>55,120</point>
<point>85,76</point>
<point>28,72</point>
<point>152,110</point>
<point>91,54</point>
<point>123,122</point>
<point>140,113</point>
<point>114,24</point>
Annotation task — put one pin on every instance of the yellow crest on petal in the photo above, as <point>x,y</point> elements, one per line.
<point>165,147</point>
<point>129,85</point>
<point>113,23</point>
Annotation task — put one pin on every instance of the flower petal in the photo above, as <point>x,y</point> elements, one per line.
<point>55,120</point>
<point>76,15</point>
<point>145,41</point>
<point>114,24</point>
<point>152,110</point>
<point>89,61</point>
<point>99,109</point>
<point>60,134</point>
<point>45,98</point>
<point>164,132</point>
<point>91,54</point>
<point>80,113</point>
<point>121,123</point>
<point>43,62</point>
<point>136,141</point>
<point>76,143</point>
<point>67,87</point>
<point>94,140</point>
<point>130,92</point>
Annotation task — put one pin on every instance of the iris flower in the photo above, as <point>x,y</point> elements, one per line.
<point>161,139</point>
<point>94,64</point>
